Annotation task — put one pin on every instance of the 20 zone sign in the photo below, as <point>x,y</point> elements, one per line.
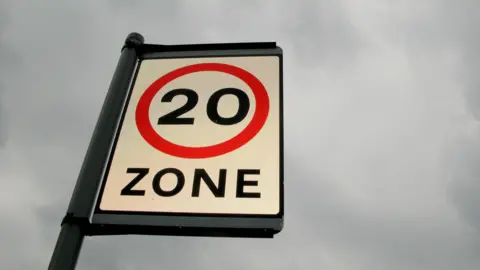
<point>199,136</point>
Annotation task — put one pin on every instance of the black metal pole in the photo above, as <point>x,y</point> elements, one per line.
<point>67,249</point>
<point>76,223</point>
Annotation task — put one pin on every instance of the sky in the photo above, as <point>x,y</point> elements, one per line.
<point>382,129</point>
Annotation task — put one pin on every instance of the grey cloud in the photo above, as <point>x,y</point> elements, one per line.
<point>164,23</point>
<point>320,32</point>
<point>443,25</point>
<point>445,31</point>
<point>3,121</point>
<point>465,185</point>
<point>461,23</point>
<point>4,52</point>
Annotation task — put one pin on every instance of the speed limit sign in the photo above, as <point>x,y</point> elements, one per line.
<point>201,135</point>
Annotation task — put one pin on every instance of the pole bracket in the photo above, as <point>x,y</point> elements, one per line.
<point>71,219</point>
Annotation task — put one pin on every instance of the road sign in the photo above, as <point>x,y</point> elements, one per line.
<point>199,143</point>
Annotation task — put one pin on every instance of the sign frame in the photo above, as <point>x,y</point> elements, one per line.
<point>192,224</point>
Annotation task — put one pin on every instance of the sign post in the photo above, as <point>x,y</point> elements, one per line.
<point>75,224</point>
<point>189,142</point>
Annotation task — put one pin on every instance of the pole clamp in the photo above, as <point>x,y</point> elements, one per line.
<point>70,218</point>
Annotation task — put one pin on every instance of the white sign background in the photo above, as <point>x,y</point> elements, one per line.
<point>262,152</point>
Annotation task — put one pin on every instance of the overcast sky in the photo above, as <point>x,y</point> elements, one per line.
<point>382,138</point>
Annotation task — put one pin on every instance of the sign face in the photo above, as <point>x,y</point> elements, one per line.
<point>199,136</point>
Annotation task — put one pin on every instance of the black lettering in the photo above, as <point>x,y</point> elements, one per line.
<point>128,189</point>
<point>178,187</point>
<point>217,191</point>
<point>243,106</point>
<point>241,183</point>
<point>173,117</point>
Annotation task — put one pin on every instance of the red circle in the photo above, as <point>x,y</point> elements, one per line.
<point>251,130</point>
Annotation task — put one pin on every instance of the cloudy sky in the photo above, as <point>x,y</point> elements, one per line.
<point>382,111</point>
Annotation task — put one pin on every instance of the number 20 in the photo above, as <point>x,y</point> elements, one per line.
<point>173,117</point>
